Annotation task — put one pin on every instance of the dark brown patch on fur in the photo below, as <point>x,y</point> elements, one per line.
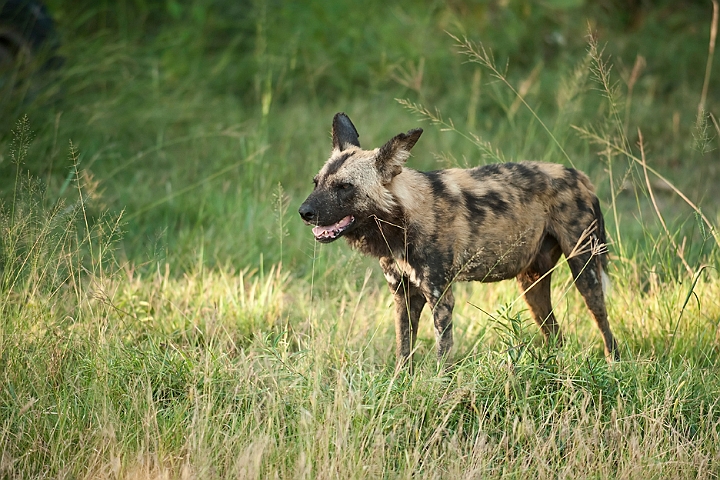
<point>438,187</point>
<point>495,202</point>
<point>476,208</point>
<point>380,236</point>
<point>335,164</point>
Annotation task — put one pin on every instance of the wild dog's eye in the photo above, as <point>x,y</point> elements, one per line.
<point>344,186</point>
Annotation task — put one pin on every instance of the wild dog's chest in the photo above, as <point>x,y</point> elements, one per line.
<point>396,268</point>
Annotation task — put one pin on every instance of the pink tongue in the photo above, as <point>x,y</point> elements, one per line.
<point>331,229</point>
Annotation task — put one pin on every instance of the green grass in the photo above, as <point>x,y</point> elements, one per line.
<point>165,314</point>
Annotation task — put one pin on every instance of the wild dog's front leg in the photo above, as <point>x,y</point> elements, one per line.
<point>442,301</point>
<point>409,303</point>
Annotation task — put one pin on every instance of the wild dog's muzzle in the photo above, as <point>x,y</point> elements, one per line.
<point>331,232</point>
<point>307,213</point>
<point>324,233</point>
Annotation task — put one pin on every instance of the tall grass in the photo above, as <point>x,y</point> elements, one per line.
<point>163,315</point>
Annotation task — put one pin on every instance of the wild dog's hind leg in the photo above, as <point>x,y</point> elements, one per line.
<point>587,272</point>
<point>409,303</point>
<point>535,282</point>
<point>442,302</point>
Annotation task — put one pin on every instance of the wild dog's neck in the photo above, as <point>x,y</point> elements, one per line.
<point>380,235</point>
<point>413,195</point>
<point>389,233</point>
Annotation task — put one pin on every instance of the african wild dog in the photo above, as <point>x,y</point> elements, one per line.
<point>487,224</point>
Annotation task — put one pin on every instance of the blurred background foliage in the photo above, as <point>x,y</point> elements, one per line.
<point>204,120</point>
<point>325,49</point>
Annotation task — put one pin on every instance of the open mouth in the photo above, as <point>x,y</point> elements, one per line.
<point>331,232</point>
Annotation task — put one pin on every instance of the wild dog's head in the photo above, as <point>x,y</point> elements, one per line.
<point>351,187</point>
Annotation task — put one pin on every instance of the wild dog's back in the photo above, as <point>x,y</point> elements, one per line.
<point>489,220</point>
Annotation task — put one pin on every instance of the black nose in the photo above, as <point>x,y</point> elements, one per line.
<point>306,212</point>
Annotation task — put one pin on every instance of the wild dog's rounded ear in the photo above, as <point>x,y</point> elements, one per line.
<point>395,152</point>
<point>344,133</point>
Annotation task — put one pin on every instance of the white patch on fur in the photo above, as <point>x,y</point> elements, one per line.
<point>436,293</point>
<point>390,278</point>
<point>408,271</point>
<point>593,275</point>
<point>452,187</point>
<point>606,283</point>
